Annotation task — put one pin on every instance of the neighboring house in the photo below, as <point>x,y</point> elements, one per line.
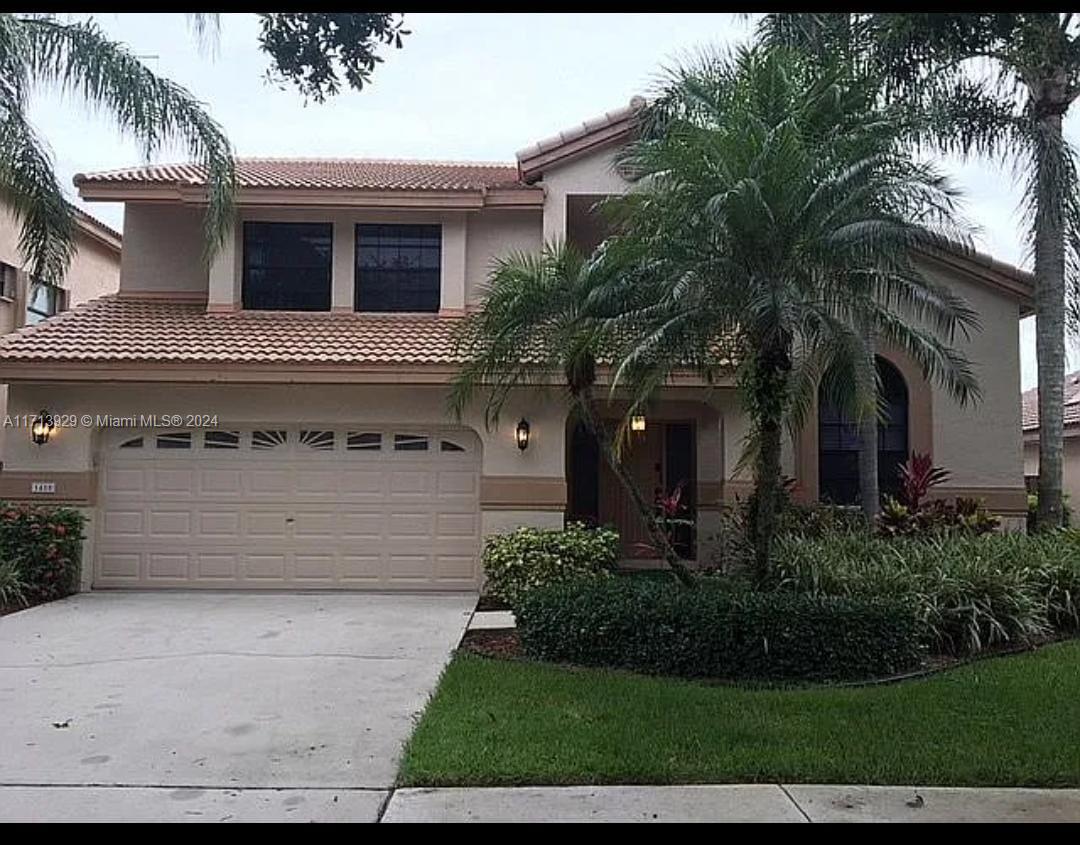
<point>94,272</point>
<point>307,370</point>
<point>1030,410</point>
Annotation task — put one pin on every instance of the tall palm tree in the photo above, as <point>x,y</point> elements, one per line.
<point>78,60</point>
<point>777,210</point>
<point>545,315</point>
<point>997,84</point>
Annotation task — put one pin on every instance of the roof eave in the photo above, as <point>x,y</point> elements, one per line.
<point>326,197</point>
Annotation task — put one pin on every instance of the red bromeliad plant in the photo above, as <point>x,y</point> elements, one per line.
<point>917,476</point>
<point>912,515</point>
<point>671,514</point>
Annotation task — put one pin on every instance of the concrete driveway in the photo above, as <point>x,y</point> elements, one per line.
<point>211,706</point>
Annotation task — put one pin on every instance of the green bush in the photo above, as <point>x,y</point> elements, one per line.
<point>732,547</point>
<point>44,544</point>
<point>713,631</point>
<point>12,586</point>
<point>970,592</point>
<point>527,558</point>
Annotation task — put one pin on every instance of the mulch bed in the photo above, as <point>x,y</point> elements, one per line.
<point>502,643</point>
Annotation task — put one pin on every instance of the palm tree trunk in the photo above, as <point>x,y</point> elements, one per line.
<point>646,511</point>
<point>770,382</point>
<point>869,494</point>
<point>768,495</point>
<point>1050,316</point>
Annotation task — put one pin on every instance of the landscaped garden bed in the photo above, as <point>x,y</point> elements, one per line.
<point>40,553</point>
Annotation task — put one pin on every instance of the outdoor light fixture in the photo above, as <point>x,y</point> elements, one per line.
<point>637,423</point>
<point>42,428</point>
<point>521,434</point>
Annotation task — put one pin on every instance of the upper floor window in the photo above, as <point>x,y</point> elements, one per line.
<point>43,301</point>
<point>287,266</point>
<point>398,267</point>
<point>9,277</point>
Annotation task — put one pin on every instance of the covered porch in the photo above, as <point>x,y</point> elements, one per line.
<point>681,449</point>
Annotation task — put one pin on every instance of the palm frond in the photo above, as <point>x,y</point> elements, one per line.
<point>81,61</point>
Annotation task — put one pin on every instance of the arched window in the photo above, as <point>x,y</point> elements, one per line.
<point>838,442</point>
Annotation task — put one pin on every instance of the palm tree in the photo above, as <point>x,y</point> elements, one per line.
<point>997,84</point>
<point>547,315</point>
<point>77,59</point>
<point>777,212</point>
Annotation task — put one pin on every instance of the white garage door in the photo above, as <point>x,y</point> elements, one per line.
<point>290,508</point>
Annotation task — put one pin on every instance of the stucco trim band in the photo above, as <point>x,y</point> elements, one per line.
<point>72,488</point>
<point>522,493</point>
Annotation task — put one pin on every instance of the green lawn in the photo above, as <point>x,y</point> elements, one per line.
<point>1007,721</point>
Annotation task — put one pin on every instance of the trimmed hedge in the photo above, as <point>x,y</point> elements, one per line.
<point>44,545</point>
<point>715,632</point>
<point>528,558</point>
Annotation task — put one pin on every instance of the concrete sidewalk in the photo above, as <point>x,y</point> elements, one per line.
<point>738,803</point>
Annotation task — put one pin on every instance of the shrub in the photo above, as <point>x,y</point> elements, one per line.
<point>45,545</point>
<point>935,518</point>
<point>732,546</point>
<point>969,592</point>
<point>12,586</point>
<point>713,631</point>
<point>527,558</point>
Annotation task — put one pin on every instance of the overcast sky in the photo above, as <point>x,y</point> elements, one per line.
<point>465,86</point>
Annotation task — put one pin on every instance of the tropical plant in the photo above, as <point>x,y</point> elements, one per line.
<point>918,476</point>
<point>548,316</point>
<point>995,84</point>
<point>39,50</point>
<point>776,217</point>
<point>970,592</point>
<point>12,585</point>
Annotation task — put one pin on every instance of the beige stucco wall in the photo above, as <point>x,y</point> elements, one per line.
<point>590,174</point>
<point>495,233</point>
<point>980,444</point>
<point>94,271</point>
<point>1070,470</point>
<point>163,247</point>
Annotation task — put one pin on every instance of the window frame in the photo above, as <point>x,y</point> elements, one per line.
<point>58,302</point>
<point>248,299</point>
<point>387,295</point>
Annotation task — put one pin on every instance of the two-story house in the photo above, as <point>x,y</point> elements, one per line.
<point>278,419</point>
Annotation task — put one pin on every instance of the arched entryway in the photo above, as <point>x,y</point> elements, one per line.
<point>838,441</point>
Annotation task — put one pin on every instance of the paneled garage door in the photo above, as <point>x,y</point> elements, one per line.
<point>290,508</point>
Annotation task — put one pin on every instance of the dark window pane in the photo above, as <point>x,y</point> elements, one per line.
<point>410,443</point>
<point>287,266</point>
<point>221,440</point>
<point>174,440</point>
<point>398,267</point>
<point>838,443</point>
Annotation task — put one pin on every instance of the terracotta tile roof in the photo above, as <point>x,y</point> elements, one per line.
<point>114,329</point>
<point>1030,404</point>
<point>313,174</point>
<point>610,126</point>
<point>97,229</point>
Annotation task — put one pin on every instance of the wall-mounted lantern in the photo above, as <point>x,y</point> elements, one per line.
<point>637,423</point>
<point>521,434</point>
<point>42,428</point>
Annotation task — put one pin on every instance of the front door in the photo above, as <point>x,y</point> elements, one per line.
<point>660,459</point>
